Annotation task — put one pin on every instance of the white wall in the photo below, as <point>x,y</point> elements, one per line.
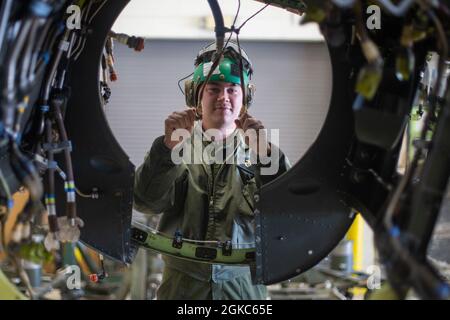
<point>185,19</point>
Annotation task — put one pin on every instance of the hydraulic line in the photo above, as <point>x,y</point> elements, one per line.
<point>37,51</point>
<point>427,281</point>
<point>57,102</point>
<point>219,24</point>
<point>69,185</point>
<point>22,167</point>
<point>220,36</point>
<point>54,68</point>
<point>27,57</point>
<point>10,91</point>
<point>50,196</point>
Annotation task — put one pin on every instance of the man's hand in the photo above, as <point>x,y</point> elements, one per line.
<point>246,122</point>
<point>178,120</point>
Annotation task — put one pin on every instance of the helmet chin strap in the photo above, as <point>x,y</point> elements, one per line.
<point>198,115</point>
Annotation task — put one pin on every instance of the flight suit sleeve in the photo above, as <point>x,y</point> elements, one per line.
<point>155,180</point>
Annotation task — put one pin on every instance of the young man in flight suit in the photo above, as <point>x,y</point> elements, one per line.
<point>206,200</point>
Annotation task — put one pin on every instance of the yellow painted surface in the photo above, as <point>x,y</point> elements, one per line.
<point>83,265</point>
<point>20,200</point>
<point>355,234</point>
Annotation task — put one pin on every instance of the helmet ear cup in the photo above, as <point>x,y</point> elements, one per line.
<point>189,93</point>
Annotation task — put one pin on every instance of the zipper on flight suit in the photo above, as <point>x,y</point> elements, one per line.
<point>212,183</point>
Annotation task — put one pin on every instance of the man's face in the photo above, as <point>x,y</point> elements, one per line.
<point>221,104</point>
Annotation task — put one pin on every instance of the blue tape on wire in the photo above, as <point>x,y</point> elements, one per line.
<point>61,27</point>
<point>40,8</point>
<point>358,104</point>
<point>444,291</point>
<point>46,57</point>
<point>10,203</point>
<point>45,108</point>
<point>52,165</point>
<point>395,231</point>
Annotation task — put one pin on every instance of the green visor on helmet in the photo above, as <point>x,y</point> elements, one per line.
<point>227,71</point>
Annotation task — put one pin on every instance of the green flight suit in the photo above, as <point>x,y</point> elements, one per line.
<point>205,201</point>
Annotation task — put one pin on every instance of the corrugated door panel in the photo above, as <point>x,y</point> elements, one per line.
<point>293,89</point>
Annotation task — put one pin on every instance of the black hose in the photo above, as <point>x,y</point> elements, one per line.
<point>53,69</point>
<point>56,104</point>
<point>220,26</point>
<point>37,51</point>
<point>10,91</point>
<point>50,197</point>
<point>27,56</point>
<point>220,38</point>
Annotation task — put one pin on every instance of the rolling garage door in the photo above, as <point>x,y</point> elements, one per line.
<point>293,88</point>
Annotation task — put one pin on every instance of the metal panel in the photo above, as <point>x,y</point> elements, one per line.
<point>98,159</point>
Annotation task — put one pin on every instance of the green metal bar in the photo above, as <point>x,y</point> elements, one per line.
<point>190,251</point>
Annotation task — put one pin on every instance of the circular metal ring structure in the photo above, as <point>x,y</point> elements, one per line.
<point>301,216</point>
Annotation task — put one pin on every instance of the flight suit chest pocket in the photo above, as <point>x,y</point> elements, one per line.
<point>249,188</point>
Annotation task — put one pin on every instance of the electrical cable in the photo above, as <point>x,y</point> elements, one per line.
<point>38,50</point>
<point>5,11</point>
<point>219,55</point>
<point>50,199</point>
<point>97,11</point>
<point>419,269</point>
<point>396,10</point>
<point>28,55</point>
<point>179,86</point>
<point>253,15</point>
<point>10,92</point>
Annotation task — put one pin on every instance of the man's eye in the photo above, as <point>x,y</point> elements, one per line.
<point>213,90</point>
<point>232,91</point>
